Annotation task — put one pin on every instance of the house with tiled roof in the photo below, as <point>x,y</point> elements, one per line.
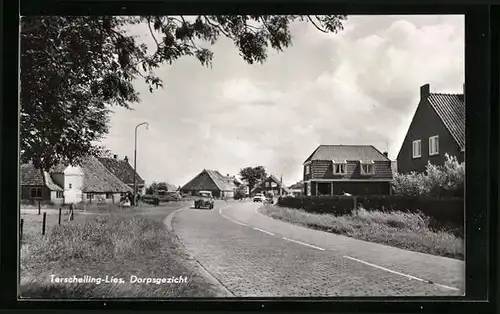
<point>213,181</point>
<point>36,185</point>
<point>89,182</point>
<point>271,184</point>
<point>122,169</point>
<point>352,169</point>
<point>437,128</point>
<point>296,189</point>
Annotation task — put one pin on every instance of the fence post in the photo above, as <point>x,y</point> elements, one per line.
<point>59,220</point>
<point>38,207</point>
<point>43,222</point>
<point>21,232</point>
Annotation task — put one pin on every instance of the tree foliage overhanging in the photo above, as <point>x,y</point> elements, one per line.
<point>74,69</point>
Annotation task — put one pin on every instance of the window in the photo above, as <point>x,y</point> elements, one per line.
<point>433,145</point>
<point>89,196</point>
<point>417,149</point>
<point>36,192</point>
<point>70,185</point>
<point>308,169</point>
<point>339,168</point>
<point>109,196</point>
<point>59,194</point>
<point>367,168</point>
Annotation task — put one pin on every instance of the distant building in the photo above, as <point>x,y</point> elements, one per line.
<point>297,189</point>
<point>437,128</point>
<point>213,181</point>
<point>353,169</point>
<point>270,184</point>
<point>63,184</point>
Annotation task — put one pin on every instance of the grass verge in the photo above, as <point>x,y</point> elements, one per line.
<point>407,231</point>
<point>115,245</point>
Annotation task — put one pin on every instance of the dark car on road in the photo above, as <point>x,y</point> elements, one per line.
<point>204,200</point>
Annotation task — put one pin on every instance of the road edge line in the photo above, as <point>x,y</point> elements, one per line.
<point>223,290</point>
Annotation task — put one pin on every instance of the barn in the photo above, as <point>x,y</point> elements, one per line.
<point>213,181</point>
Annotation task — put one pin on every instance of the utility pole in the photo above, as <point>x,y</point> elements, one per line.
<point>135,161</point>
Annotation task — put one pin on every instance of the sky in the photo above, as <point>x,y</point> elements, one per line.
<point>359,86</point>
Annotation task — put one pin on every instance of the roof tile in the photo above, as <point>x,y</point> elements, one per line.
<point>347,152</point>
<point>451,110</point>
<point>122,170</point>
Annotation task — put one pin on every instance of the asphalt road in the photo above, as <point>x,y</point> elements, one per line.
<point>253,255</point>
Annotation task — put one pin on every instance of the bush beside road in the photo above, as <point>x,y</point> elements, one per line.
<point>408,231</point>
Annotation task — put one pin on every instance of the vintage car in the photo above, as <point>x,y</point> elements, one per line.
<point>259,198</point>
<point>204,200</point>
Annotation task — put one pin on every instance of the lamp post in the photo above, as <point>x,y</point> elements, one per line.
<point>135,160</point>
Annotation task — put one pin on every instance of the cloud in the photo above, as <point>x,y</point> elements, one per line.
<point>360,86</point>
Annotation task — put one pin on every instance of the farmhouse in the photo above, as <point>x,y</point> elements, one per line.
<point>124,171</point>
<point>437,128</point>
<point>36,185</point>
<point>353,169</point>
<point>64,184</point>
<point>211,180</point>
<point>271,184</point>
<point>297,189</point>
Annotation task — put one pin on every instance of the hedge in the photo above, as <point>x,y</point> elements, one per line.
<point>447,211</point>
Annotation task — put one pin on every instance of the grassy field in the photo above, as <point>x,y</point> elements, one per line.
<point>403,230</point>
<point>116,243</point>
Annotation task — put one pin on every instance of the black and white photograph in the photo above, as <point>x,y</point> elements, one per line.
<point>223,156</point>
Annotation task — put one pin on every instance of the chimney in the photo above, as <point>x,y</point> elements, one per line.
<point>115,156</point>
<point>425,90</point>
<point>125,159</point>
<point>385,154</point>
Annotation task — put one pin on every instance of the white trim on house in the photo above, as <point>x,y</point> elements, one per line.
<point>414,151</point>
<point>342,166</point>
<point>307,163</point>
<point>369,165</point>
<point>348,180</point>
<point>339,162</point>
<point>308,169</point>
<point>434,140</point>
<point>38,192</point>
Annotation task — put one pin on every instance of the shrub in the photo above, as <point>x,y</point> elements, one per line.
<point>445,180</point>
<point>444,212</point>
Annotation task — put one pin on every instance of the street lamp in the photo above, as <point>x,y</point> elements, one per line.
<point>135,160</point>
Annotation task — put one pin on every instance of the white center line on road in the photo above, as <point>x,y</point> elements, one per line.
<point>306,244</point>
<point>263,231</point>
<point>236,222</point>
<point>401,274</point>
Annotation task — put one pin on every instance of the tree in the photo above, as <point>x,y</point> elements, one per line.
<point>75,69</point>
<point>252,175</point>
<point>150,190</point>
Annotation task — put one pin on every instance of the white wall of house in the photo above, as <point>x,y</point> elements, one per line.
<point>57,197</point>
<point>100,198</point>
<point>73,183</point>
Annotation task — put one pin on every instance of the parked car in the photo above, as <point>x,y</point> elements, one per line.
<point>259,198</point>
<point>204,200</point>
